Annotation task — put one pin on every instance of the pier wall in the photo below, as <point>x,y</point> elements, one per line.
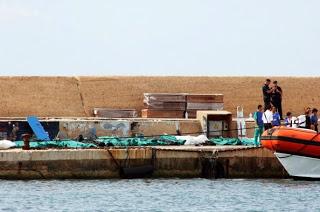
<point>185,162</point>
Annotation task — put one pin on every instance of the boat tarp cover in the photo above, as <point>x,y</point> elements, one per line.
<point>163,140</point>
<point>232,141</point>
<point>56,144</point>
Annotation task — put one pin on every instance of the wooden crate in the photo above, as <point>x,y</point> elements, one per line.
<point>164,97</point>
<point>115,113</point>
<point>166,105</point>
<point>204,106</point>
<point>149,113</point>
<point>205,98</point>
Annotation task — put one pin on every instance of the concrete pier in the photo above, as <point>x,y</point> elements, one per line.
<point>166,161</point>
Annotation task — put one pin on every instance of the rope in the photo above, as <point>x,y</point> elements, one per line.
<point>114,160</point>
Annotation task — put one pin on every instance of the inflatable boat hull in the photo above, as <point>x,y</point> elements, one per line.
<point>298,150</point>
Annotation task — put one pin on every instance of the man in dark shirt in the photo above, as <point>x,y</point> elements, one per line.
<point>276,97</point>
<point>266,94</point>
<point>314,119</point>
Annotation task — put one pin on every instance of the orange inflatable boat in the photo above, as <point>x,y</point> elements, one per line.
<point>296,141</point>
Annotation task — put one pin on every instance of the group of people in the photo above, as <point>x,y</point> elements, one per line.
<point>272,96</point>
<point>308,120</point>
<point>265,119</point>
<point>271,114</point>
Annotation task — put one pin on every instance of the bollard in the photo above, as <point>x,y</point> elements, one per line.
<point>26,141</point>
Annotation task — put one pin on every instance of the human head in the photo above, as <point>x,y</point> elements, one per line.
<point>314,110</point>
<point>275,82</point>
<point>268,81</point>
<point>268,107</point>
<point>274,109</point>
<point>307,110</point>
<point>289,114</point>
<point>260,107</point>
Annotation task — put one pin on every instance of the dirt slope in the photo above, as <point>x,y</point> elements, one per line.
<point>70,96</point>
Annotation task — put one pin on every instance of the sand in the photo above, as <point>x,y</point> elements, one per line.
<point>77,96</point>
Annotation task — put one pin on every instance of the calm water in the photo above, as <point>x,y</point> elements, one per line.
<point>160,195</point>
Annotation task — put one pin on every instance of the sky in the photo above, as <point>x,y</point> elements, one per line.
<point>164,37</point>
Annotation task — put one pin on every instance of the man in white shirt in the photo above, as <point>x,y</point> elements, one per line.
<point>267,117</point>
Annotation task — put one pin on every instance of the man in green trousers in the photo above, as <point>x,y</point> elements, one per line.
<point>258,126</point>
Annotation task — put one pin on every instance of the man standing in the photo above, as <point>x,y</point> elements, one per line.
<point>266,93</point>
<point>267,118</point>
<point>276,97</point>
<point>259,125</point>
<point>314,119</point>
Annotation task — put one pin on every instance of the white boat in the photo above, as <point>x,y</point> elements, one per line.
<point>298,150</point>
<point>300,166</point>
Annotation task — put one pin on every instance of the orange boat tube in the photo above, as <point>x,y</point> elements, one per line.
<point>296,141</point>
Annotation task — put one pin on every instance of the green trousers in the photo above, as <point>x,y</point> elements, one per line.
<point>257,134</point>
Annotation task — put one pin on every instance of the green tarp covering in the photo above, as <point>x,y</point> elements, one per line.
<point>140,141</point>
<point>56,144</point>
<point>163,140</point>
<point>232,141</point>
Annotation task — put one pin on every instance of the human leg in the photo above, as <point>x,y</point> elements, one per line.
<point>280,110</point>
<point>260,133</point>
<point>256,136</point>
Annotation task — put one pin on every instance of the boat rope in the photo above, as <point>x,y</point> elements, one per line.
<point>114,160</point>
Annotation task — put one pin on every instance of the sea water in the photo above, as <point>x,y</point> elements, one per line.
<point>160,195</point>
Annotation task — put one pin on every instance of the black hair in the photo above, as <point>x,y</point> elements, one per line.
<point>268,107</point>
<point>259,106</point>
<point>275,82</point>
<point>268,80</point>
<point>314,110</point>
<point>289,113</point>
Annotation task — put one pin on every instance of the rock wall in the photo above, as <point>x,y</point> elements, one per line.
<point>77,96</point>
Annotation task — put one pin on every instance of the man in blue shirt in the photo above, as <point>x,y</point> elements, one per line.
<point>259,125</point>
<point>276,117</point>
<point>314,119</point>
<point>288,120</point>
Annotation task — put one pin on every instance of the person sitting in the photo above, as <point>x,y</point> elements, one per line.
<point>314,120</point>
<point>304,120</point>
<point>275,117</point>
<point>267,118</point>
<point>259,125</point>
<point>288,120</point>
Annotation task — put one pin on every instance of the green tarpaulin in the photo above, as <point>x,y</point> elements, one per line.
<point>56,144</point>
<point>232,141</point>
<point>140,141</point>
<point>163,140</point>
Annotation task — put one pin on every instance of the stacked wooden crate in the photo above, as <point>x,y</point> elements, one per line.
<point>164,105</point>
<point>197,102</point>
<point>115,113</point>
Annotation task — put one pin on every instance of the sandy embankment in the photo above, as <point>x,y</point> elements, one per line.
<point>77,96</point>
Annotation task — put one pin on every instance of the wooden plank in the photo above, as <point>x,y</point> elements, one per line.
<point>192,114</point>
<point>148,113</point>
<point>115,113</point>
<point>166,105</point>
<point>164,97</point>
<point>205,106</point>
<point>205,98</point>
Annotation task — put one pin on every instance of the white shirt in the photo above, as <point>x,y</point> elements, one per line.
<point>267,117</point>
<point>294,121</point>
<point>302,120</point>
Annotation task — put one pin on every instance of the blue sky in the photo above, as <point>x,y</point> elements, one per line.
<point>167,37</point>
